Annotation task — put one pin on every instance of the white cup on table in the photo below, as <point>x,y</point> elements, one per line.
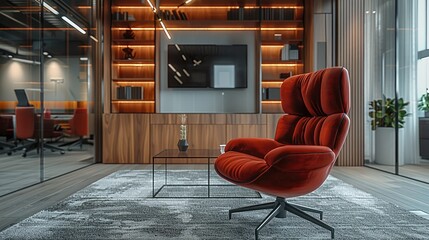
<point>222,148</point>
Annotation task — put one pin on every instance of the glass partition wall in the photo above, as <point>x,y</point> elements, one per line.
<point>396,80</point>
<point>46,57</point>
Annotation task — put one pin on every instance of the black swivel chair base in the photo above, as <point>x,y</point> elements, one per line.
<point>28,146</point>
<point>280,207</point>
<point>53,148</point>
<point>4,146</point>
<point>79,142</point>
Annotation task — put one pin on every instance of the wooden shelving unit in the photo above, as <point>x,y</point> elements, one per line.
<point>133,58</point>
<point>279,23</point>
<point>281,28</point>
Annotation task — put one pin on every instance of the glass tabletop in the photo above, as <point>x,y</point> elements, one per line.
<point>190,153</point>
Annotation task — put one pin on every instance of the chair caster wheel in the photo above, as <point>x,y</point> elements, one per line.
<point>62,152</point>
<point>24,155</point>
<point>9,153</point>
<point>52,150</point>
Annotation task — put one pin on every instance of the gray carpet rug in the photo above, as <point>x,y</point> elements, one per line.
<point>120,206</point>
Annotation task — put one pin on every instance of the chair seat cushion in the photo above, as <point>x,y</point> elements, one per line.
<point>239,167</point>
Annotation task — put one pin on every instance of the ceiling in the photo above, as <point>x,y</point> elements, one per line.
<point>20,24</point>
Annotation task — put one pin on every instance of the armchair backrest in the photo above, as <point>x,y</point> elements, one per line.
<point>79,122</point>
<point>25,121</point>
<point>316,106</point>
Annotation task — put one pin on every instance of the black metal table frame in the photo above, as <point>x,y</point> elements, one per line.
<point>166,158</point>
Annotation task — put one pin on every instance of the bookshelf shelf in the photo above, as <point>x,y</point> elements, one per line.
<point>282,44</point>
<point>133,58</point>
<point>279,23</point>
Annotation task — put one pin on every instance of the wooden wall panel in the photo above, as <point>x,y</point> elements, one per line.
<point>246,119</point>
<point>192,118</point>
<point>126,138</point>
<point>250,130</point>
<point>350,38</point>
<point>199,136</point>
<point>272,120</point>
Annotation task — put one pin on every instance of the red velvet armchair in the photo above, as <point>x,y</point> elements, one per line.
<point>307,141</point>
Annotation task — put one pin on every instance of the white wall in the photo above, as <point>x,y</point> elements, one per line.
<point>179,100</point>
<point>15,75</point>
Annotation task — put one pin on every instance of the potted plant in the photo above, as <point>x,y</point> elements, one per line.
<point>423,104</point>
<point>383,122</point>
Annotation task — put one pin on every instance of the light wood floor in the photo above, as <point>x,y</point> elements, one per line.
<point>408,194</point>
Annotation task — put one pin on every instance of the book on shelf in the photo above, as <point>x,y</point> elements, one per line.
<point>129,93</point>
<point>289,52</point>
<point>284,52</point>
<point>278,14</point>
<point>123,16</point>
<point>183,15</point>
<point>175,15</point>
<point>293,52</point>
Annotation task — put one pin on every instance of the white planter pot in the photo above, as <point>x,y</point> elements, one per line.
<point>385,146</point>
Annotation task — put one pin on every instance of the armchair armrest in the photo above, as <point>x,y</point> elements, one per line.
<point>258,147</point>
<point>300,157</point>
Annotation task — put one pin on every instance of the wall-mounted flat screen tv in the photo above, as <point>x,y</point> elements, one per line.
<point>207,66</point>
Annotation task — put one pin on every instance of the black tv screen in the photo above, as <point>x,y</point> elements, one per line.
<point>207,66</point>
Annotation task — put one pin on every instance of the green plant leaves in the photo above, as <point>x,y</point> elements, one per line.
<point>383,112</point>
<point>423,104</point>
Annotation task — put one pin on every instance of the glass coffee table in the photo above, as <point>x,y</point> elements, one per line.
<point>194,183</point>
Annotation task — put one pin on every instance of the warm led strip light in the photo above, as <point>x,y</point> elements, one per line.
<point>134,28</point>
<point>271,102</point>
<point>281,29</point>
<point>212,29</point>
<point>133,101</point>
<point>281,64</point>
<point>272,46</point>
<point>134,83</point>
<point>134,64</point>
<point>272,84</point>
<point>132,7</point>
<point>137,46</point>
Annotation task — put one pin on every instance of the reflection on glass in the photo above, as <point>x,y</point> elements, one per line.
<point>55,74</point>
<point>397,77</point>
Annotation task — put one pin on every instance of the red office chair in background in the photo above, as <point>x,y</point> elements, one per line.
<point>25,129</point>
<point>6,131</point>
<point>306,144</point>
<point>78,128</point>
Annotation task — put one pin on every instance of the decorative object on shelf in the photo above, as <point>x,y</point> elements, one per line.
<point>128,53</point>
<point>423,104</point>
<point>285,75</point>
<point>183,142</point>
<point>129,34</point>
<point>383,122</point>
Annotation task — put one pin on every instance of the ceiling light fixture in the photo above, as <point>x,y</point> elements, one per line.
<point>159,19</point>
<point>93,38</point>
<point>151,5</point>
<point>53,10</point>
<point>163,28</point>
<point>73,24</point>
<point>184,3</point>
<point>25,60</point>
